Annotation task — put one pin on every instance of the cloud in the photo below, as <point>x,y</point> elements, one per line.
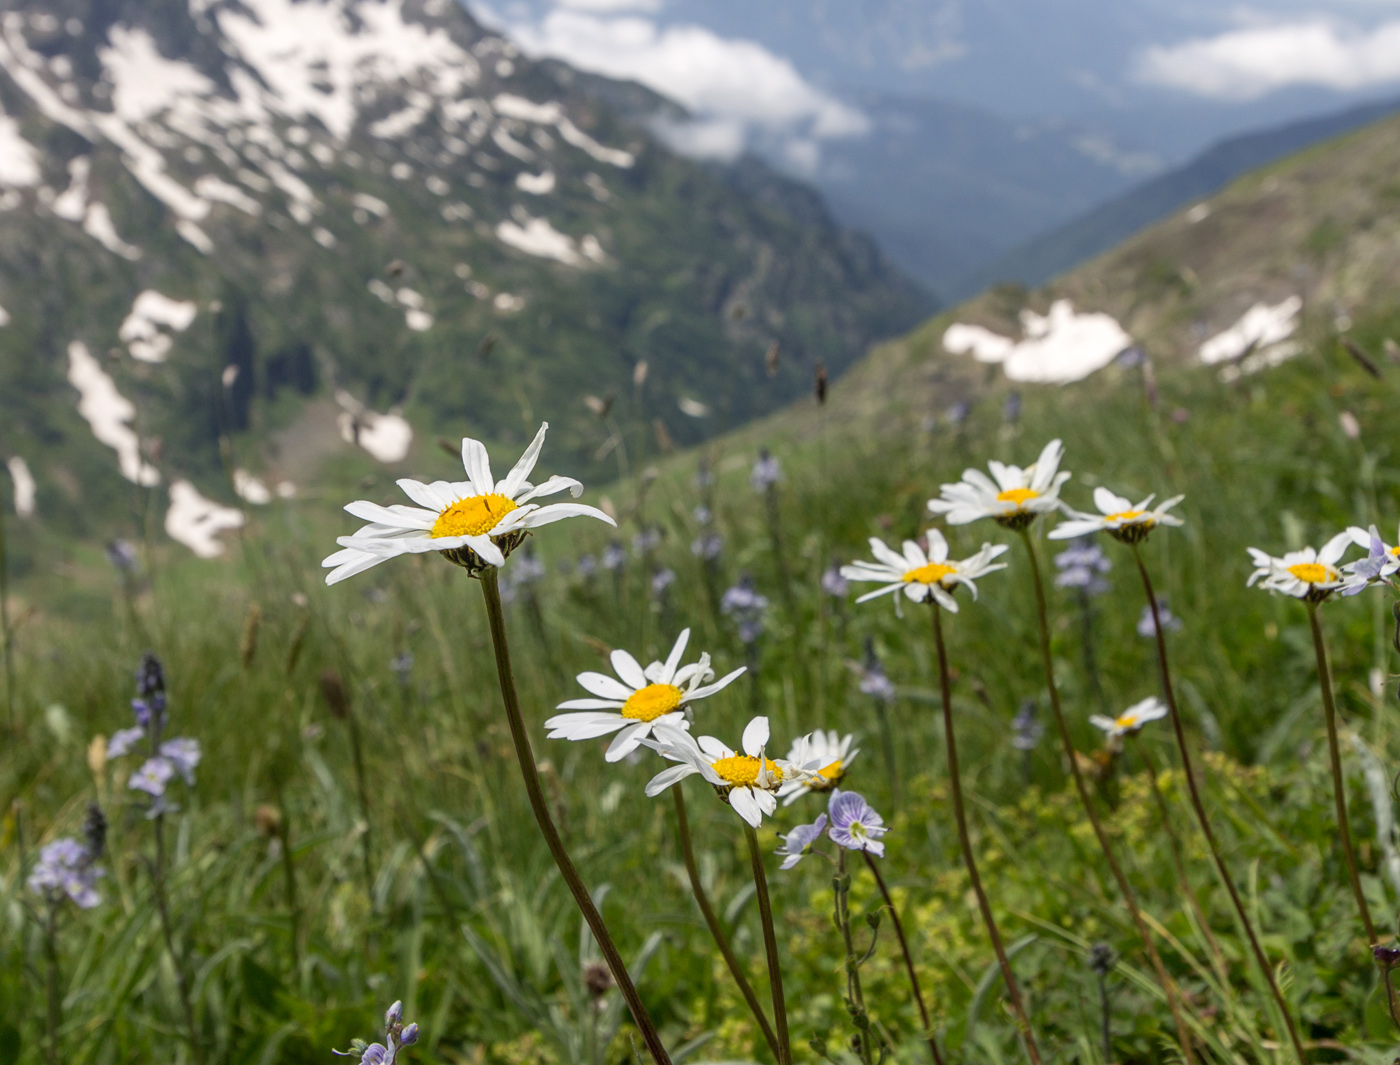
<point>1247,63</point>
<point>740,94</point>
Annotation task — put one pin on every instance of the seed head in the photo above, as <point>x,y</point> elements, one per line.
<point>336,697</point>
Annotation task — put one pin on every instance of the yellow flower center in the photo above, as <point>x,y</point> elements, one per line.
<point>933,573</point>
<point>473,516</point>
<point>649,703</point>
<point>741,770</point>
<point>1125,515</point>
<point>1127,721</point>
<point>1395,550</point>
<point>833,771</point>
<point>1313,572</point>
<point>1017,495</point>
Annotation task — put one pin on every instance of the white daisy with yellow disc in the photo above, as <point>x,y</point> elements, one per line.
<point>1118,516</point>
<point>474,523</point>
<point>1307,574</point>
<point>1131,719</point>
<point>1012,496</point>
<point>748,781</point>
<point>830,752</point>
<point>923,574</point>
<point>637,700</point>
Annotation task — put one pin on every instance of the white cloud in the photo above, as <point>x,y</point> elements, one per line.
<point>1246,63</point>
<point>739,93</point>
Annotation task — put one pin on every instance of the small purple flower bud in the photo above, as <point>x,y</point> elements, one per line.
<point>394,1014</point>
<point>1386,957</point>
<point>409,1036</point>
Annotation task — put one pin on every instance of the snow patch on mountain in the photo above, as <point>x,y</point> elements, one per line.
<point>109,414</point>
<point>197,522</point>
<point>141,329</point>
<point>1057,348</point>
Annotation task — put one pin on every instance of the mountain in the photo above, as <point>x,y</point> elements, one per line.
<point>1052,253</point>
<point>1288,261</point>
<point>237,234</point>
<point>946,187</point>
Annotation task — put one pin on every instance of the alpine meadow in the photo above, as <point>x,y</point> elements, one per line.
<point>480,587</point>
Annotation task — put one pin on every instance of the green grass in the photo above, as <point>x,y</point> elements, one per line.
<point>462,915</point>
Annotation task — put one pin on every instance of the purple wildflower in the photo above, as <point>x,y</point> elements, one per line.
<point>833,584</point>
<point>1170,622</point>
<point>707,547</point>
<point>183,755</point>
<point>1081,566</point>
<point>661,582</point>
<point>614,557</point>
<point>1025,729</point>
<point>767,471</point>
<point>796,842</point>
<point>123,740</point>
<point>152,777</point>
<point>854,823</point>
<point>743,603</point>
<point>65,870</point>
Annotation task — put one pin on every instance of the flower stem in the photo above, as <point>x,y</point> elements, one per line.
<point>736,970</point>
<point>167,929</point>
<point>1329,706</point>
<point>525,756</point>
<point>770,946</point>
<point>855,996</point>
<point>1086,800</point>
<point>1013,989</point>
<point>55,1000</point>
<point>908,959</point>
<point>1199,807</point>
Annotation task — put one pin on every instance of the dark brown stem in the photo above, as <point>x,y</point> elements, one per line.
<point>770,946</point>
<point>1013,989</point>
<point>1329,707</point>
<point>525,756</point>
<point>1200,810</point>
<point>736,970</point>
<point>908,960</point>
<point>1179,861</point>
<point>1086,800</point>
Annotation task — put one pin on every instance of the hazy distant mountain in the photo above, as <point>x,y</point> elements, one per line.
<point>234,232</point>
<point>945,188</point>
<point>1104,227</point>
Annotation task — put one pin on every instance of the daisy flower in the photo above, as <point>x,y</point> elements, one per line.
<point>1380,564</point>
<point>830,752</point>
<point>474,523</point>
<point>1012,497</point>
<point>1118,517</point>
<point>1306,574</point>
<point>922,574</point>
<point>638,700</point>
<point>748,781</point>
<point>1131,719</point>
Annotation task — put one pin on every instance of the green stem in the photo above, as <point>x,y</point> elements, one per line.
<point>1329,706</point>
<point>770,946</point>
<point>55,1001</point>
<point>1200,810</point>
<point>525,756</point>
<point>855,996</point>
<point>736,970</point>
<point>1086,800</point>
<point>289,879</point>
<point>167,928</point>
<point>1013,990</point>
<point>908,959</point>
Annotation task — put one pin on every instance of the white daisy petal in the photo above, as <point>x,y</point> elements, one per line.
<point>551,487</point>
<point>478,466</point>
<point>673,660</point>
<point>709,689</point>
<point>627,741</point>
<point>589,704</point>
<point>397,516</point>
<point>520,472</point>
<point>628,668</point>
<point>667,777</point>
<point>605,687</point>
<point>425,495</point>
<point>756,736</point>
<point>557,511</point>
<point>587,725</point>
<point>746,806</point>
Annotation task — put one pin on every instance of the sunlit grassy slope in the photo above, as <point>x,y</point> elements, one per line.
<point>1265,461</point>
